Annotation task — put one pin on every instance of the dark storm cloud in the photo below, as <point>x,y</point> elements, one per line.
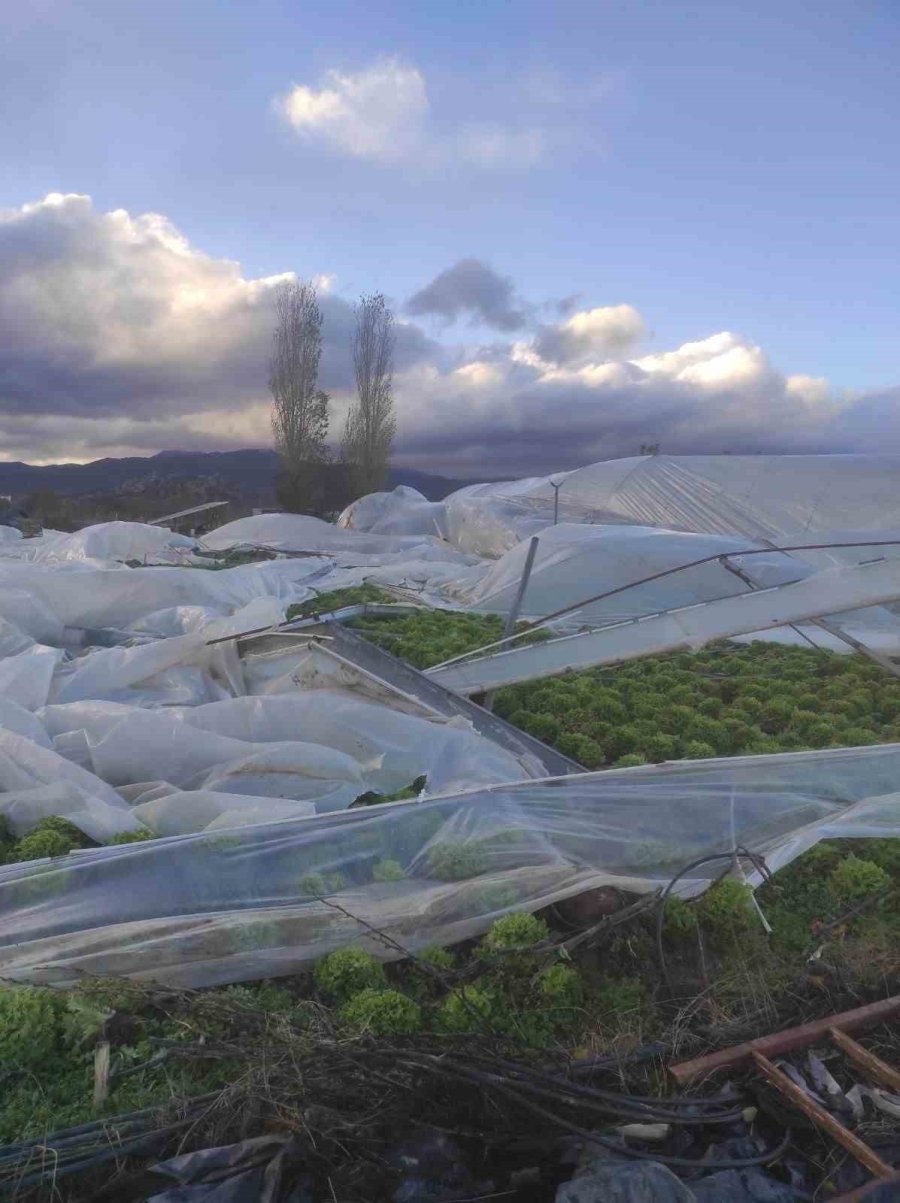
<point>470,289</point>
<point>117,336</point>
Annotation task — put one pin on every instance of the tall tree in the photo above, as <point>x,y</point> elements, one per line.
<point>300,408</point>
<point>371,426</point>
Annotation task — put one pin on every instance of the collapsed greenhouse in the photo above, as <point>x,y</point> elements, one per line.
<point>222,759</point>
<point>130,704</point>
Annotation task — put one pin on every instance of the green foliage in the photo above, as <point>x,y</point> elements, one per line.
<point>518,930</point>
<point>581,748</point>
<point>337,599</point>
<point>726,910</point>
<point>387,870</point>
<point>133,837</point>
<point>680,919</point>
<point>456,861</point>
<point>561,988</point>
<point>468,1009</point>
<point>631,760</point>
<point>382,1012</point>
<point>347,971</point>
<point>620,996</point>
<point>30,1026</point>
<point>51,837</point>
<point>440,958</point>
<point>854,879</point>
<point>320,885</point>
<point>696,749</point>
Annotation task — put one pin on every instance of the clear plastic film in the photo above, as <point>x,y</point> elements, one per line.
<point>265,900</point>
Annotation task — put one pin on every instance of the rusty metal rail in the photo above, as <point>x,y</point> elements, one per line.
<point>756,1054</point>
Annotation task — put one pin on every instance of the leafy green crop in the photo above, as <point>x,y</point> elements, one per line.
<point>337,599</point>
<point>381,1012</point>
<point>347,971</point>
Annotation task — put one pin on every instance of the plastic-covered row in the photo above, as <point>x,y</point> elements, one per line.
<point>265,900</point>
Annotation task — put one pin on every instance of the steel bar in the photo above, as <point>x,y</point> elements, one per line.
<point>691,627</point>
<point>510,625</point>
<point>822,1119</point>
<point>782,1042</point>
<point>872,1065</point>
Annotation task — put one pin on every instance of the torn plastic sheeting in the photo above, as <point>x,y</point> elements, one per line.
<point>403,511</point>
<point>303,533</point>
<point>536,759</point>
<point>116,541</point>
<point>240,904</point>
<point>571,559</point>
<point>823,593</point>
<point>118,596</point>
<point>194,745</point>
<point>26,678</point>
<point>178,812</point>
<point>31,615</point>
<point>17,719</point>
<point>106,672</point>
<point>136,747</point>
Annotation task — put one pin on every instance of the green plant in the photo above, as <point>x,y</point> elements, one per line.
<point>133,837</point>
<point>630,761</point>
<point>697,749</point>
<point>679,919</point>
<point>51,837</point>
<point>726,909</point>
<point>560,988</point>
<point>468,1009</point>
<point>437,956</point>
<point>30,1026</point>
<point>517,930</point>
<point>382,1012</point>
<point>854,879</point>
<point>337,599</point>
<point>388,870</point>
<point>347,971</point>
<point>456,861</point>
<point>319,885</point>
<point>620,996</point>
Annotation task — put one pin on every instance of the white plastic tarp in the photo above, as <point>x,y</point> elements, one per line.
<point>252,902</point>
<point>757,496</point>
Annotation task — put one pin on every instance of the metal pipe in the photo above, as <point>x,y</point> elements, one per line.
<point>782,1042</point>
<point>656,576</point>
<point>487,702</point>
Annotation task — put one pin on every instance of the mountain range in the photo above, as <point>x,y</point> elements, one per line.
<point>249,474</point>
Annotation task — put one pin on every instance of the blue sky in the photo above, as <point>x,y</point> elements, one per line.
<point>718,167</point>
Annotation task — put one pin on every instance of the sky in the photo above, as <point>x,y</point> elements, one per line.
<point>599,223</point>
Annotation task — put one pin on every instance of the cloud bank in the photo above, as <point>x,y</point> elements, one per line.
<point>119,337</point>
<point>383,114</point>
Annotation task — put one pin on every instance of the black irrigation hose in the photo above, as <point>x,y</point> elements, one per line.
<point>628,1106</point>
<point>733,856</point>
<point>700,1164</point>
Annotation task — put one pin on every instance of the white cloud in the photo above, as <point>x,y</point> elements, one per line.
<point>383,114</point>
<point>117,336</point>
<point>589,335</point>
<point>377,114</point>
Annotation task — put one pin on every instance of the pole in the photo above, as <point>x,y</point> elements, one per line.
<point>488,700</point>
<point>556,489</point>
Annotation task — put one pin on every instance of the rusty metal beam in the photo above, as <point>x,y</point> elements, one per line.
<point>868,1062</point>
<point>821,1118</point>
<point>782,1042</point>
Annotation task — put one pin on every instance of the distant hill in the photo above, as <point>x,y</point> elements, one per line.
<point>249,475</point>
